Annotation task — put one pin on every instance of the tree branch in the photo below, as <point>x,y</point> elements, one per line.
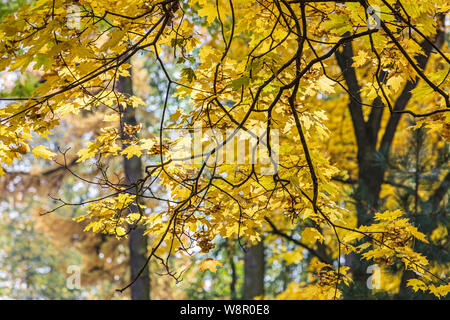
<point>277,231</point>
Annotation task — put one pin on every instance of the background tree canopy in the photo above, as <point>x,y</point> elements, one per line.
<point>230,149</point>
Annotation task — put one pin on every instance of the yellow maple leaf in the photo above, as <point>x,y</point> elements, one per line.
<point>395,83</point>
<point>210,264</point>
<point>440,291</point>
<point>116,37</point>
<point>292,257</point>
<point>417,284</point>
<point>111,117</point>
<point>388,215</point>
<point>43,152</point>
<point>147,143</point>
<point>208,10</point>
<point>133,150</point>
<point>120,231</point>
<point>311,235</point>
<point>325,84</point>
<point>360,59</point>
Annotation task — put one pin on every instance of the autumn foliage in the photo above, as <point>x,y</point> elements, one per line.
<point>289,122</point>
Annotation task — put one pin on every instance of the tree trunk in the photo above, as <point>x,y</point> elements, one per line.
<point>372,161</point>
<point>140,290</point>
<point>254,267</point>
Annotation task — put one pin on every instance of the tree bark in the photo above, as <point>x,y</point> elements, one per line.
<point>140,289</point>
<point>371,161</point>
<point>254,268</point>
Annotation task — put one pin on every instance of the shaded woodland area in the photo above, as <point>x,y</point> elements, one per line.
<point>224,149</point>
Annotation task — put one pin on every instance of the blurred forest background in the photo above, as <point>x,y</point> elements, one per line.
<point>38,252</point>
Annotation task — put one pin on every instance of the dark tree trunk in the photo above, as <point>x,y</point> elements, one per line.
<point>140,289</point>
<point>254,267</point>
<point>372,161</point>
<point>233,294</point>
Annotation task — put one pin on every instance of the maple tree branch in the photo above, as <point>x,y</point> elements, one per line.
<point>405,97</point>
<point>313,252</point>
